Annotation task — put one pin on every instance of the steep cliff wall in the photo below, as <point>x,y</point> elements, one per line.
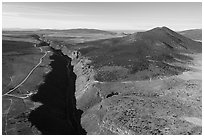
<point>58,113</point>
<point>82,69</point>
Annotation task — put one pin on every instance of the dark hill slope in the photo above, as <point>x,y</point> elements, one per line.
<point>146,53</point>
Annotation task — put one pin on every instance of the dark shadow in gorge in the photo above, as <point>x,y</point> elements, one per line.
<point>58,114</point>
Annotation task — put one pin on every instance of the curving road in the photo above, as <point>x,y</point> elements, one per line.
<point>41,59</point>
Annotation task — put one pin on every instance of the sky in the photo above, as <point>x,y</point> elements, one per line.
<point>106,16</point>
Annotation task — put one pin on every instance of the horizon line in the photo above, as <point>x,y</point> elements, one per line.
<point>3,29</point>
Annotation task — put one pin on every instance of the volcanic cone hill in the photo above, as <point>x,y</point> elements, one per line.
<point>139,56</point>
<point>170,38</point>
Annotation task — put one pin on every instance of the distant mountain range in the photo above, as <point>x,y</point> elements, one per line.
<point>195,34</point>
<point>19,29</point>
<point>72,31</point>
<point>82,31</point>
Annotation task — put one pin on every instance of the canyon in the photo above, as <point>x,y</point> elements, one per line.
<point>88,88</point>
